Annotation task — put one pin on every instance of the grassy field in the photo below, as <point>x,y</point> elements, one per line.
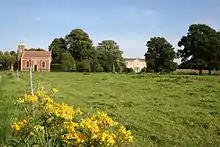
<point>161,110</point>
<point>194,72</point>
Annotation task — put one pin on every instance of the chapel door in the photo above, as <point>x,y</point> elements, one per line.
<point>35,67</point>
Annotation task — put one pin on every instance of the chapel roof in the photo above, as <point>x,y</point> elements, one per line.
<point>28,54</point>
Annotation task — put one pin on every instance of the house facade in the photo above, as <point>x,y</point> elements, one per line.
<point>36,60</point>
<point>135,63</point>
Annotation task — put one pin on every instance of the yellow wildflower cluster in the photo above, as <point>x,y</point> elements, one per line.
<point>31,98</point>
<point>126,134</point>
<point>62,110</point>
<point>77,137</point>
<point>108,137</point>
<point>17,126</point>
<point>72,133</point>
<point>103,119</point>
<point>68,124</point>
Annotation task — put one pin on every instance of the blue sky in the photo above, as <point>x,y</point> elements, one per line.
<point>129,22</point>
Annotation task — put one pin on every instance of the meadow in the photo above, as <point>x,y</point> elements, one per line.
<point>160,110</point>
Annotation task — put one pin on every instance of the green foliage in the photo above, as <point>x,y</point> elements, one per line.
<point>79,44</point>
<point>128,70</point>
<point>56,67</point>
<point>160,55</point>
<point>201,46</point>
<point>94,61</point>
<point>110,56</point>
<point>58,46</point>
<point>83,66</point>
<point>67,62</point>
<point>7,60</point>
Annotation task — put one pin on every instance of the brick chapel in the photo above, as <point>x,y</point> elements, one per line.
<point>36,60</point>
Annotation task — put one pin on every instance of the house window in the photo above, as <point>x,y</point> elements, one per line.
<point>43,64</point>
<point>27,64</point>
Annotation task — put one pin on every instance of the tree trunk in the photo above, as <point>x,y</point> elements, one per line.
<point>210,71</point>
<point>200,71</point>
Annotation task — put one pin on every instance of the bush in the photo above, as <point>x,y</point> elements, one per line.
<point>129,70</point>
<point>83,66</point>
<point>45,122</point>
<point>56,68</point>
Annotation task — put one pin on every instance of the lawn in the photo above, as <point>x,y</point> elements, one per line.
<point>161,110</point>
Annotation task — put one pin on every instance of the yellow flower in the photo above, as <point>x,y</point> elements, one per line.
<point>40,93</point>
<point>92,126</point>
<point>54,90</point>
<point>108,138</point>
<point>61,110</point>
<point>31,98</point>
<point>47,99</point>
<point>71,126</point>
<point>18,125</point>
<point>79,138</point>
<point>126,134</point>
<point>103,119</point>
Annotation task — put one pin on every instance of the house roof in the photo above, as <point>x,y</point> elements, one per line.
<point>134,59</point>
<point>28,54</point>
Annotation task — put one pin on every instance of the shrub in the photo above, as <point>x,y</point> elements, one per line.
<point>129,70</point>
<point>45,122</point>
<point>83,66</point>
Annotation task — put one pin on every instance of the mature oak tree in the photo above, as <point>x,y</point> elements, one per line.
<point>201,46</point>
<point>79,44</point>
<point>160,55</point>
<point>110,56</point>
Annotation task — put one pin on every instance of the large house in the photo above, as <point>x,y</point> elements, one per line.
<point>135,63</point>
<point>36,60</point>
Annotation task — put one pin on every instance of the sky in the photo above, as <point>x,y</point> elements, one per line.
<point>130,23</point>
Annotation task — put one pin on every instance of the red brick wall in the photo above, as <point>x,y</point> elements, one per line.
<point>38,62</point>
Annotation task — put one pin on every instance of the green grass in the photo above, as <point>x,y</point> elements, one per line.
<point>161,110</point>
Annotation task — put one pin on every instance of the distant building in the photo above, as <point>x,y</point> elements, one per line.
<point>37,60</point>
<point>135,63</point>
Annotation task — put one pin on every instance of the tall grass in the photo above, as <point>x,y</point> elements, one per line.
<point>10,88</point>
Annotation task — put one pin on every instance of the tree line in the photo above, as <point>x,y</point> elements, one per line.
<point>76,52</point>
<point>7,60</point>
<point>198,49</point>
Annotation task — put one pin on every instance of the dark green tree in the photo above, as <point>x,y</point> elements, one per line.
<point>13,53</point>
<point>7,61</point>
<point>201,46</point>
<point>80,46</point>
<point>95,62</point>
<point>110,56</point>
<point>83,65</point>
<point>58,46</point>
<point>160,55</point>
<point>67,62</point>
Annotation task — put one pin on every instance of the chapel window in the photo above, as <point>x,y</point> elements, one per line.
<point>43,64</point>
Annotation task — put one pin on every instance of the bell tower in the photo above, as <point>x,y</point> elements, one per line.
<point>20,51</point>
<point>21,47</point>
